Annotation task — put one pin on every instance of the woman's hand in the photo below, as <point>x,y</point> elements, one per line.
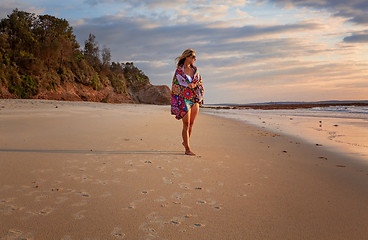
<point>191,85</point>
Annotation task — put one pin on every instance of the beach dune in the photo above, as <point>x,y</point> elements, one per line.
<point>75,170</point>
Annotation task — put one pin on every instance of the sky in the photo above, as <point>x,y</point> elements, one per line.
<point>247,51</point>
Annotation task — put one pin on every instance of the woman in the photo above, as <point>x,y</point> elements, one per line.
<point>186,94</point>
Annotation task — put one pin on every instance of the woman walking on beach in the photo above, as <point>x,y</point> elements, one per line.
<point>186,94</point>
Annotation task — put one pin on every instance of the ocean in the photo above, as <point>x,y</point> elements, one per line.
<point>340,128</point>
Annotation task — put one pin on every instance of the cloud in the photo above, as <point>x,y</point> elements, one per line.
<point>144,30</point>
<point>357,37</point>
<point>354,10</point>
<point>173,12</point>
<point>7,8</point>
<point>169,3</point>
<point>222,49</point>
<point>141,4</point>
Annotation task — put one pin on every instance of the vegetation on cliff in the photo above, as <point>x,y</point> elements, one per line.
<point>40,58</point>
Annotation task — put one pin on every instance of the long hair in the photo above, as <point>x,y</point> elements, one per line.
<point>187,53</point>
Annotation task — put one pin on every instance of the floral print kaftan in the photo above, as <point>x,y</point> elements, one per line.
<point>183,97</point>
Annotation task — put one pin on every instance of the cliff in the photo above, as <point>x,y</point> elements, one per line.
<point>41,59</point>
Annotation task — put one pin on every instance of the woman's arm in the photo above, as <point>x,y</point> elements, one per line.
<point>182,81</point>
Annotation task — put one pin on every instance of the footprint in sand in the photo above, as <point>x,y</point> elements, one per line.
<point>161,199</point>
<point>163,205</point>
<point>217,208</point>
<point>79,215</point>
<point>133,204</point>
<point>8,200</point>
<point>150,231</point>
<point>86,178</point>
<point>189,215</point>
<point>197,225</point>
<point>340,166</point>
<point>167,180</point>
<point>185,186</point>
<point>201,202</point>
<point>8,208</point>
<point>14,234</point>
<point>155,221</point>
<point>176,175</point>
<point>211,201</point>
<point>54,189</point>
<point>117,234</point>
<point>129,162</point>
<point>102,182</point>
<point>147,191</point>
<point>175,222</point>
<point>179,196</point>
<point>45,211</point>
<point>84,194</point>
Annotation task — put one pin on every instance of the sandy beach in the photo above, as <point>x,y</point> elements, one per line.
<point>78,170</point>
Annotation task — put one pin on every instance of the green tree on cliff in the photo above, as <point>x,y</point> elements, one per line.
<point>40,54</point>
<point>92,51</point>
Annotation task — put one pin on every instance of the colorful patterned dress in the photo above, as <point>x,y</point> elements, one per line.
<point>183,97</point>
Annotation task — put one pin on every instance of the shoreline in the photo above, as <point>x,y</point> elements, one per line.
<point>283,106</point>
<point>340,133</point>
<point>82,171</point>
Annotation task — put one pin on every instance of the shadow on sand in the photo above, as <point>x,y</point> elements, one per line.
<point>93,152</point>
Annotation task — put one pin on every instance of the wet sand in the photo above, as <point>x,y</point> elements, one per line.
<point>72,170</point>
<point>278,106</point>
<point>338,132</point>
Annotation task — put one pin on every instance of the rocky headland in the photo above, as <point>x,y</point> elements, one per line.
<point>41,59</point>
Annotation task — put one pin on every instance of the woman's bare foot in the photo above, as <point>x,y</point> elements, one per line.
<point>190,153</point>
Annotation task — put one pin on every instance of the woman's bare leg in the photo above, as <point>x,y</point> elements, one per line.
<point>193,115</point>
<point>188,121</point>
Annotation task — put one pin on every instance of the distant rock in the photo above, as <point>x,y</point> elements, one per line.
<point>151,94</point>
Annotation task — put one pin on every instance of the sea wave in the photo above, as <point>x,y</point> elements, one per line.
<point>347,109</point>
